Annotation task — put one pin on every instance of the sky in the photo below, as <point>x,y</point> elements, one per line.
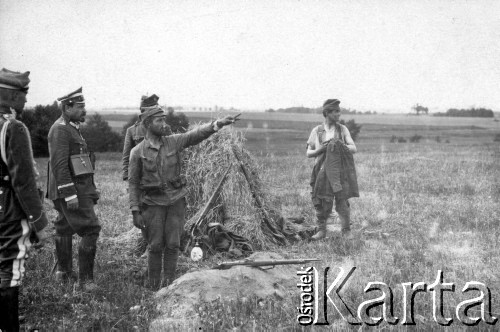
<point>372,55</point>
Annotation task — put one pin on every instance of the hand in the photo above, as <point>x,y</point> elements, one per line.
<point>228,120</point>
<point>321,149</point>
<point>73,204</point>
<point>38,239</point>
<point>42,237</point>
<point>138,220</point>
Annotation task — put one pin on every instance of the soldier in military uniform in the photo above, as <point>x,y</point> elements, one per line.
<point>135,134</point>
<point>71,187</point>
<point>157,192</point>
<point>22,219</point>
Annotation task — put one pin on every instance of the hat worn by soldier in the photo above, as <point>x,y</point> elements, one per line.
<point>72,98</point>
<point>13,80</point>
<point>150,108</point>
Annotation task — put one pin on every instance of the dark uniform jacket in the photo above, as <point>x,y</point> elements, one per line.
<point>133,136</point>
<point>152,168</point>
<point>19,195</point>
<point>66,140</point>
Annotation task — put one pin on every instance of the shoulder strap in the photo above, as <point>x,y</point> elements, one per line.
<point>320,131</point>
<point>3,137</point>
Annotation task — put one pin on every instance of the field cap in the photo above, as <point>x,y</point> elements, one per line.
<point>14,80</point>
<point>142,99</point>
<point>331,104</point>
<point>154,111</point>
<point>75,97</point>
<point>149,101</point>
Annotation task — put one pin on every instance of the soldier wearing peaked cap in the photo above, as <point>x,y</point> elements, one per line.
<point>157,192</point>
<point>71,187</point>
<point>22,219</point>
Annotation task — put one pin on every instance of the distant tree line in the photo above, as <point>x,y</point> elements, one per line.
<point>97,132</point>
<point>470,112</point>
<point>318,110</point>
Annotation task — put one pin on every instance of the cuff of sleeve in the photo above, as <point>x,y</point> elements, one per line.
<point>67,199</point>
<point>39,223</point>
<point>135,208</point>
<point>67,190</point>
<point>215,126</point>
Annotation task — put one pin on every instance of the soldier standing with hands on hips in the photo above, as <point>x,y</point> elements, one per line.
<point>157,191</point>
<point>22,219</point>
<point>71,187</point>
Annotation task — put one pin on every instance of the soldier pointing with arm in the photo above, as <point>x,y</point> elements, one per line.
<point>157,192</point>
<point>21,209</point>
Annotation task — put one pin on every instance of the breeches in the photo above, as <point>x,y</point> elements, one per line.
<point>164,225</point>
<point>82,221</point>
<point>14,246</point>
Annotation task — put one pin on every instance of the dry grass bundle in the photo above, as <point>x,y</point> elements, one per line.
<point>236,208</point>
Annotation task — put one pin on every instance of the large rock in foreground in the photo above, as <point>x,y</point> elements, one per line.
<point>177,302</point>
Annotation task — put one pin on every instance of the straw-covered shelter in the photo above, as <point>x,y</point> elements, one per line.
<point>242,206</point>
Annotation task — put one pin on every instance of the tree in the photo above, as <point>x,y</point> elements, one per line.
<point>39,120</point>
<point>420,109</point>
<point>99,135</point>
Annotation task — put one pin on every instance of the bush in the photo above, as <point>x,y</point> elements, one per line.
<point>39,120</point>
<point>401,140</point>
<point>415,138</point>
<point>99,135</point>
<point>353,127</point>
<point>497,138</point>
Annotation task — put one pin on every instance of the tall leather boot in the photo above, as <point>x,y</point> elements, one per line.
<point>9,309</point>
<point>170,257</point>
<point>64,254</point>
<point>154,269</point>
<point>321,233</point>
<point>86,256</point>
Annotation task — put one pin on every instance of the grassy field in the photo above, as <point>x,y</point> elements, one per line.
<point>424,207</point>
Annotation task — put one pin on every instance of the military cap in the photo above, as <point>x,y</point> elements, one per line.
<point>142,99</point>
<point>14,80</point>
<point>154,111</point>
<point>149,101</point>
<point>75,97</point>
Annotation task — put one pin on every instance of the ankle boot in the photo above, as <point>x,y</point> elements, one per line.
<point>64,254</point>
<point>154,269</point>
<point>9,309</point>
<point>321,234</point>
<point>170,257</point>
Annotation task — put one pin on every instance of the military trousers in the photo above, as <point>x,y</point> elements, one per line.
<point>14,246</point>
<point>324,208</point>
<point>163,231</point>
<point>164,225</point>
<point>82,221</point>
